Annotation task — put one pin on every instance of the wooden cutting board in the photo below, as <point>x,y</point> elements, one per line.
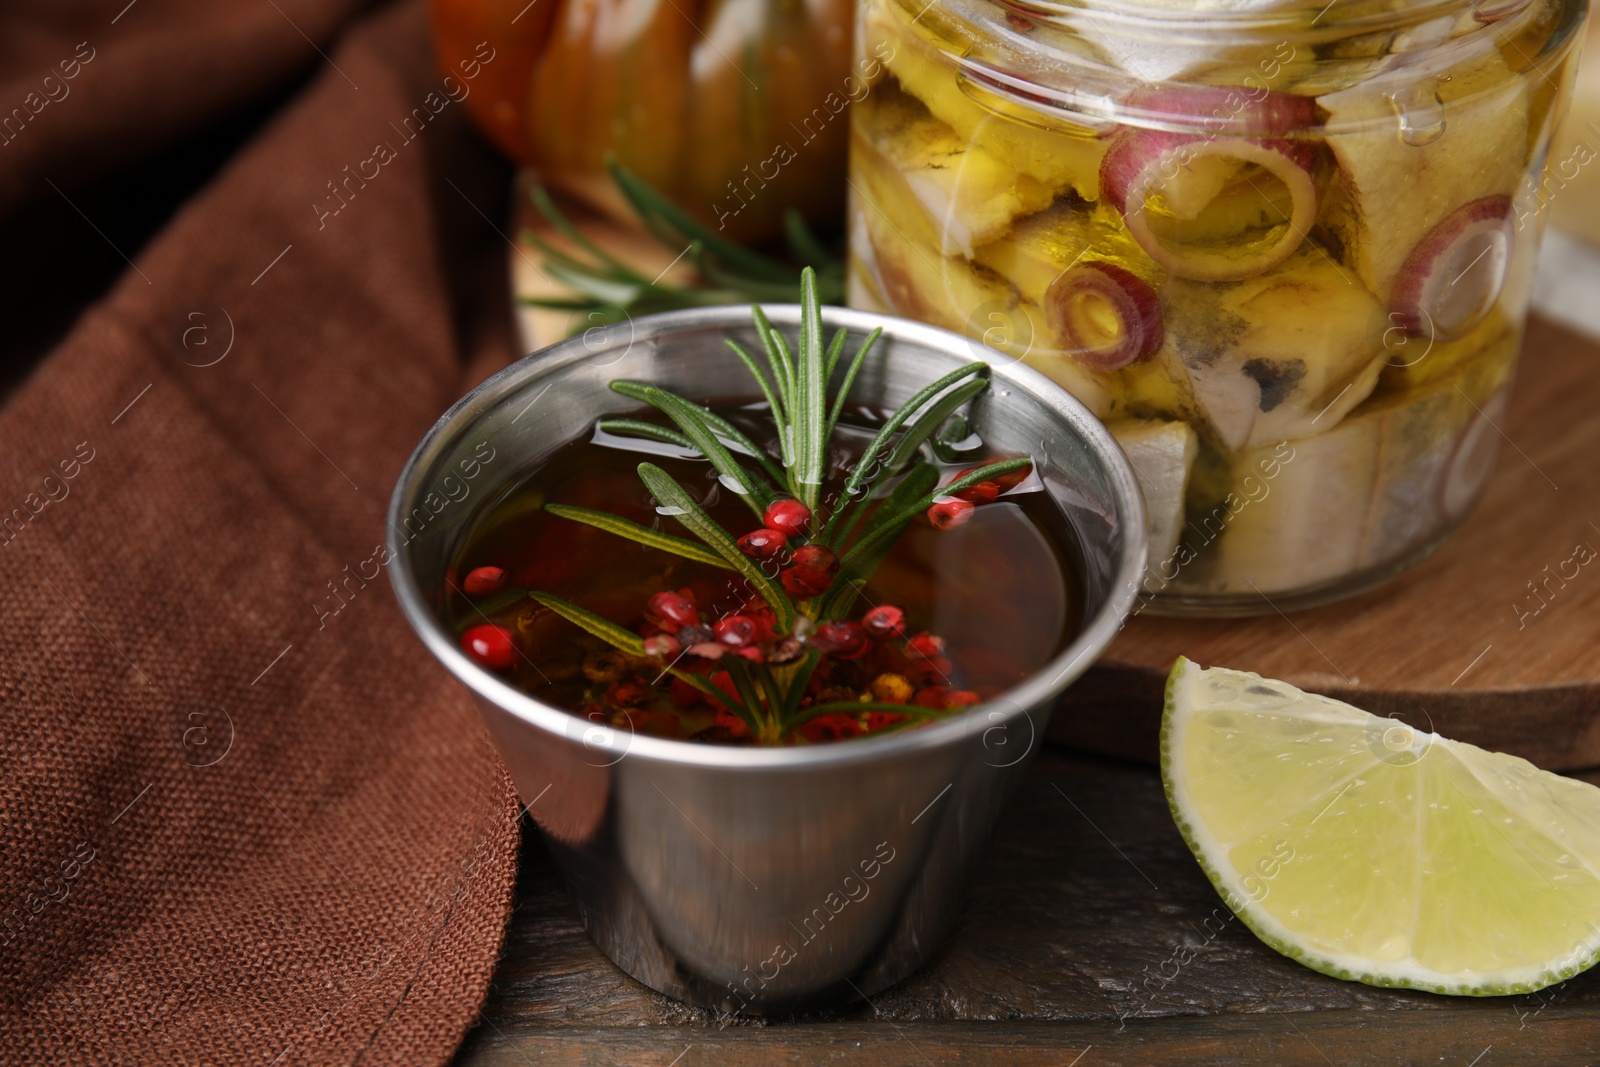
<point>1092,938</point>
<point>1485,641</point>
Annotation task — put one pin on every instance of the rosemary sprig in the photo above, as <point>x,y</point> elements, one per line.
<point>868,467</point>
<point>713,424</point>
<point>649,430</point>
<point>807,404</point>
<point>751,487</point>
<point>616,524</point>
<point>616,636</point>
<point>890,485</point>
<point>854,574</point>
<point>624,641</point>
<point>608,290</point>
<point>887,527</point>
<point>687,511</point>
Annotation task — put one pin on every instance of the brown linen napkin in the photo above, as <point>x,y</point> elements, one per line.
<point>244,818</point>
<point>86,87</point>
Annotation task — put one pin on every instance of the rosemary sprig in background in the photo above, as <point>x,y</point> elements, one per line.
<point>609,290</point>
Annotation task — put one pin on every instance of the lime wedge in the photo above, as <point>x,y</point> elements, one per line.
<point>1374,852</point>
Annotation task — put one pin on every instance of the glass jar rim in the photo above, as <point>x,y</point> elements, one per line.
<point>1337,18</point>
<point>1065,76</point>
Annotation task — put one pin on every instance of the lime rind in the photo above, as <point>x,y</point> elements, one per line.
<point>1486,769</point>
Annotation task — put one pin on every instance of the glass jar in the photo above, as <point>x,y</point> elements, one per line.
<point>1283,251</point>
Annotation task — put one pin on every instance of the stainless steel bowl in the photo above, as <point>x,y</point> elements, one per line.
<point>761,879</point>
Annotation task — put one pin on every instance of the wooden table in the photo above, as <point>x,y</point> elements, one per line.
<point>1067,955</point>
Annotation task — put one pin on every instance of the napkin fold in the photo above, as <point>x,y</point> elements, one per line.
<point>244,818</point>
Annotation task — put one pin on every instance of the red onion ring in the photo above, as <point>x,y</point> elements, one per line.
<point>1222,109</point>
<point>1141,161</point>
<point>1452,278</point>
<point>1495,10</point>
<point>1109,317</point>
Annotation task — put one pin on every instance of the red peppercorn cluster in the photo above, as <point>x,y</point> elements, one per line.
<point>490,645</point>
<point>482,581</point>
<point>764,544</point>
<point>675,630</point>
<point>955,509</point>
<point>810,571</point>
<point>806,571</point>
<point>788,517</point>
<point>870,661</point>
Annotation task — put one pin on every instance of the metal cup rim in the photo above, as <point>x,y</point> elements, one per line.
<point>1039,688</point>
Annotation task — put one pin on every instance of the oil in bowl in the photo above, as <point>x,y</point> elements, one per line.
<point>974,597</point>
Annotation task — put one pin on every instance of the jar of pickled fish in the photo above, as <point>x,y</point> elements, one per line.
<point>1284,251</point>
